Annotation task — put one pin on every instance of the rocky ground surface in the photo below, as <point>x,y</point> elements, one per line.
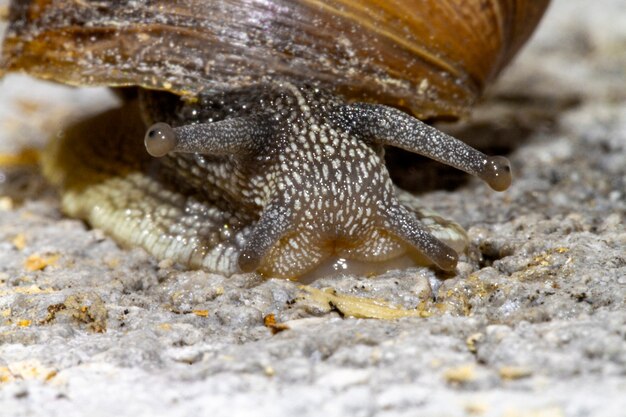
<point>534,324</point>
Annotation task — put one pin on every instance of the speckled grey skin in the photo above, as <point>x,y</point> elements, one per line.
<point>306,171</point>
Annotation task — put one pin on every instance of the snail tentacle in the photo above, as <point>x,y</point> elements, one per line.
<point>388,126</point>
<point>236,136</point>
<point>402,223</point>
<point>275,222</point>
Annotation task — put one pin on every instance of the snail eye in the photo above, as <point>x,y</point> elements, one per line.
<point>497,173</point>
<point>160,139</point>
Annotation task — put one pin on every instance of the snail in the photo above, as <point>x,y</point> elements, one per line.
<point>267,121</point>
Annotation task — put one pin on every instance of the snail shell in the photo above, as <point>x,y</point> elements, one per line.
<point>266,89</point>
<point>433,57</point>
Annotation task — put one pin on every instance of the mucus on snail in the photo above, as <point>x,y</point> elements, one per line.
<point>268,132</point>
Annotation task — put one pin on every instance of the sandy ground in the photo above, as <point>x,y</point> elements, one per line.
<point>533,325</point>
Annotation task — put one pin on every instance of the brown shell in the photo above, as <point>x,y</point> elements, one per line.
<point>431,56</point>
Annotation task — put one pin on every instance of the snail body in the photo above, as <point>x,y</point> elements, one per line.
<point>268,144</point>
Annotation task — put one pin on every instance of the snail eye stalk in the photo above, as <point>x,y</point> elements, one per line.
<point>236,136</point>
<point>275,221</point>
<point>399,221</point>
<point>388,126</point>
